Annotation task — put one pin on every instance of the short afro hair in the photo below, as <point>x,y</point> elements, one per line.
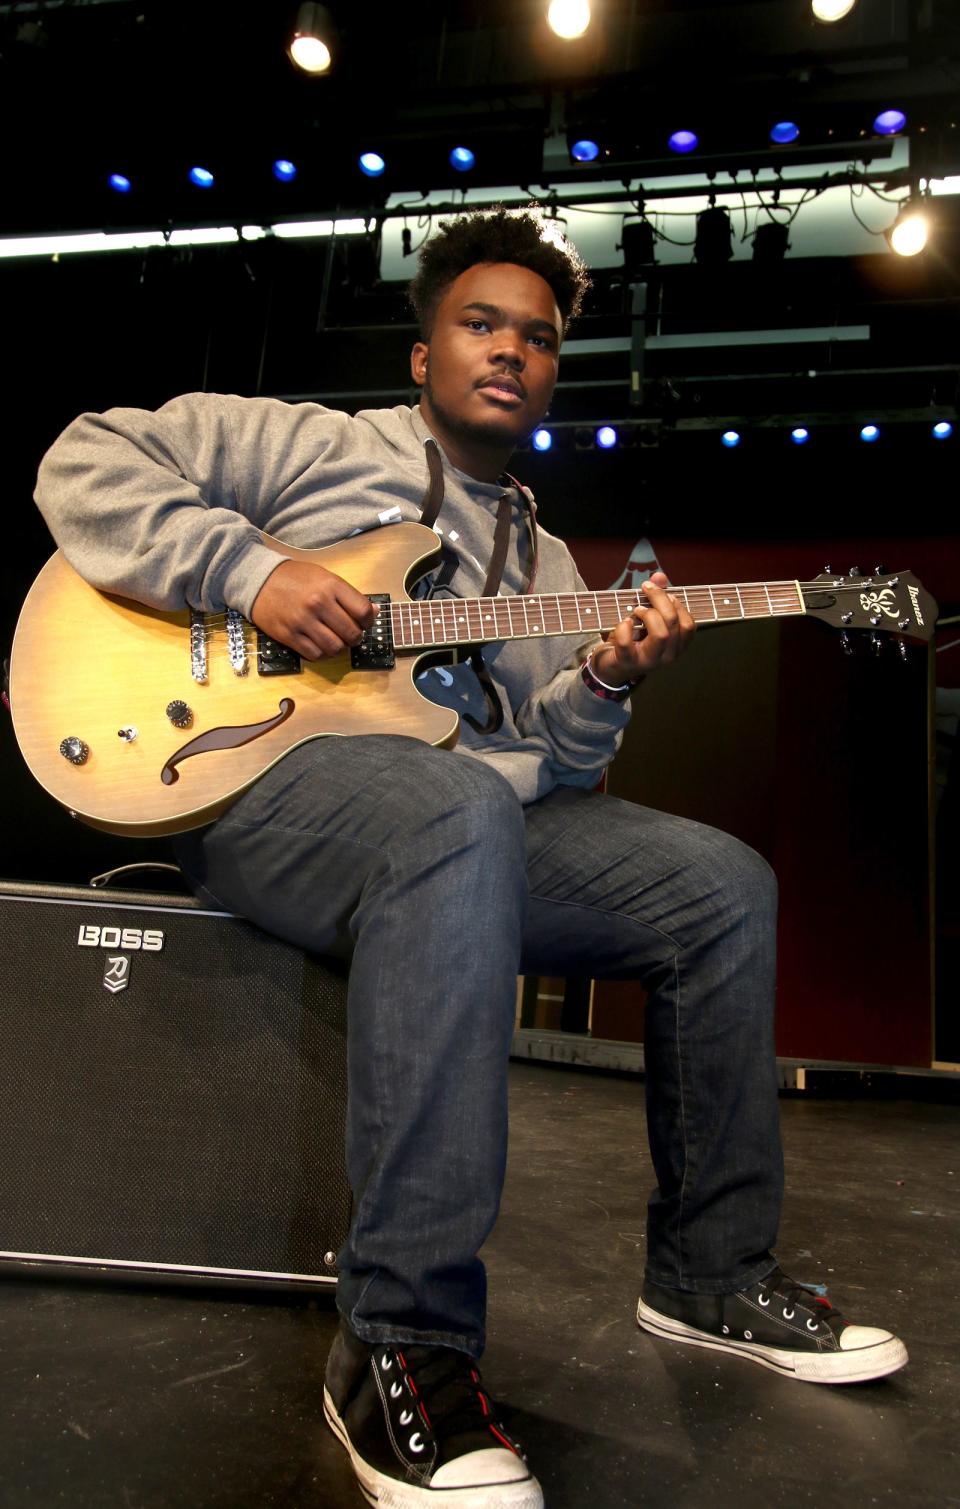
<point>524,238</point>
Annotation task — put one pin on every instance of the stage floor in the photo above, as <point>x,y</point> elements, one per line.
<point>156,1399</point>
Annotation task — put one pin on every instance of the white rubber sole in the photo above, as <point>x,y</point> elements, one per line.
<point>856,1366</point>
<point>388,1493</point>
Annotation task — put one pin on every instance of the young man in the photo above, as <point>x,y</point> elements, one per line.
<point>445,873</point>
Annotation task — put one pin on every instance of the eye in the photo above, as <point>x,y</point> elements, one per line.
<point>476,324</point>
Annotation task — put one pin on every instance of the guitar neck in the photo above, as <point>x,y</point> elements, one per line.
<point>485,620</point>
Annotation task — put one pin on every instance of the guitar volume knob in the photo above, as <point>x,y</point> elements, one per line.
<point>180,715</point>
<point>74,750</point>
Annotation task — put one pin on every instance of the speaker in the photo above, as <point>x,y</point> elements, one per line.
<point>174,1091</point>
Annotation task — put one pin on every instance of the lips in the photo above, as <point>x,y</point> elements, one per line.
<point>505,388</point>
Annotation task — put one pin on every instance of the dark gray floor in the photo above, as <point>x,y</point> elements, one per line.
<point>164,1400</point>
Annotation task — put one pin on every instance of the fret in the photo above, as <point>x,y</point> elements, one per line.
<point>743,613</point>
<point>769,603</point>
<point>526,621</point>
<point>713,603</point>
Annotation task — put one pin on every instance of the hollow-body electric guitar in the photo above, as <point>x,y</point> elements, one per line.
<point>143,722</point>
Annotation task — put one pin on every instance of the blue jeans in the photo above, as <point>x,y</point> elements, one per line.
<point>424,868</point>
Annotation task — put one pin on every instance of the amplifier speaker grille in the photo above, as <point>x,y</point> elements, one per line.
<point>193,1118</point>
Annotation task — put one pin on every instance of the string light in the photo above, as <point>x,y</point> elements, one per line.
<point>569,18</point>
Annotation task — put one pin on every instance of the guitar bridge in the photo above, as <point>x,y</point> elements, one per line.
<point>276,659</point>
<point>375,650</point>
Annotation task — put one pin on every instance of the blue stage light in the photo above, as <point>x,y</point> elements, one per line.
<point>372,164</point>
<point>943,430</point>
<point>202,177</point>
<point>730,438</point>
<point>869,433</point>
<point>284,170</point>
<point>889,122</point>
<point>800,436</point>
<point>120,184</point>
<point>784,132</point>
<point>585,151</point>
<point>462,159</point>
<point>542,440</point>
<point>606,437</point>
<point>683,141</point>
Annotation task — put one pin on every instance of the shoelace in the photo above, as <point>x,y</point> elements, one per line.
<point>450,1393</point>
<point>778,1285</point>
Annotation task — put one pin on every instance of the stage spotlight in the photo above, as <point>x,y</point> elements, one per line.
<point>943,430</point>
<point>870,433</point>
<point>372,164</point>
<point>202,177</point>
<point>800,436</point>
<point>771,242</point>
<point>585,151</point>
<point>889,122</point>
<point>568,18</point>
<point>119,183</point>
<point>730,438</point>
<point>784,132</point>
<point>542,440</point>
<point>583,438</point>
<point>683,141</point>
<point>462,159</point>
<point>832,10</point>
<point>638,246</point>
<point>908,234</point>
<point>713,240</point>
<point>284,170</point>
<point>311,46</point>
<point>606,437</point>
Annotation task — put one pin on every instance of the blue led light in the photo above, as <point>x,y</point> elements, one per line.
<point>869,433</point>
<point>120,184</point>
<point>943,430</point>
<point>284,170</point>
<point>800,436</point>
<point>462,159</point>
<point>585,151</point>
<point>730,438</point>
<point>784,132</point>
<point>542,440</point>
<point>372,164</point>
<point>202,177</point>
<point>606,437</point>
<point>889,122</point>
<point>683,141</point>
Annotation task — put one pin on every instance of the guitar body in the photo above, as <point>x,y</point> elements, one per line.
<point>86,664</point>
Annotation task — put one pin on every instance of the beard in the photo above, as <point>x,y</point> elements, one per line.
<point>497,431</point>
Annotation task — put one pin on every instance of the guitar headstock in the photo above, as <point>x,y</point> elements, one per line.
<point>896,604</point>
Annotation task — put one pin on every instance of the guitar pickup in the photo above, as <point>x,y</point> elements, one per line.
<point>375,650</point>
<point>276,659</point>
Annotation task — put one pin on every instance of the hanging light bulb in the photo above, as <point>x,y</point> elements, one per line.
<point>310,47</point>
<point>832,10</point>
<point>908,234</point>
<point>569,18</point>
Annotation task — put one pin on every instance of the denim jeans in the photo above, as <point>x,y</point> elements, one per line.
<point>424,868</point>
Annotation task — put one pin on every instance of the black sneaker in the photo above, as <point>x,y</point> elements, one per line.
<point>420,1429</point>
<point>782,1325</point>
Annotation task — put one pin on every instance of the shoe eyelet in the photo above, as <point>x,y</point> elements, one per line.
<point>406,1417</point>
<point>726,1330</point>
<point>788,1314</point>
<point>395,1391</point>
<point>748,1335</point>
<point>763,1301</point>
<point>415,1443</point>
<point>386,1362</point>
<point>812,1325</point>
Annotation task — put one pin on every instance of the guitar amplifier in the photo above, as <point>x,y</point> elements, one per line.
<point>173,1084</point>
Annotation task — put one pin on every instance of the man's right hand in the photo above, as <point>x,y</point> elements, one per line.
<point>312,610</point>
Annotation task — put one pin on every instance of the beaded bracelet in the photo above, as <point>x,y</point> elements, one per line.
<point>603,688</point>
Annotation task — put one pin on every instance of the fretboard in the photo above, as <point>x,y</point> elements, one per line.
<point>483,620</point>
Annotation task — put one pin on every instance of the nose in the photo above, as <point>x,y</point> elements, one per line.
<point>508,349</point>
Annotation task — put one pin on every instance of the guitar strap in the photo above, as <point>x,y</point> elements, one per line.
<point>432,504</point>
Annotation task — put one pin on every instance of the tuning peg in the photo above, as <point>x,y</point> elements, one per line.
<point>827,571</point>
<point>904,649</point>
<point>879,570</point>
<point>876,643</point>
<point>846,644</point>
<point>855,571</point>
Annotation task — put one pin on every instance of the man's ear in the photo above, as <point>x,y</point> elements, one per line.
<point>418,362</point>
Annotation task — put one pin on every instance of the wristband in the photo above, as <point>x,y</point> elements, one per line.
<point>603,688</point>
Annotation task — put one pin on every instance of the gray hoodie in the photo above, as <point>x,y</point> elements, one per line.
<point>167,508</point>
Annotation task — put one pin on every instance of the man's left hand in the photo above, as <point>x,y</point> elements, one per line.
<point>653,635</point>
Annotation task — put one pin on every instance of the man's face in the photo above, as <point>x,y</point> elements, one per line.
<point>489,369</point>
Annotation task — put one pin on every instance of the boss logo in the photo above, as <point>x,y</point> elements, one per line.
<point>92,936</point>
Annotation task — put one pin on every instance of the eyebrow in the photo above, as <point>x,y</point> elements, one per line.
<point>496,313</point>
